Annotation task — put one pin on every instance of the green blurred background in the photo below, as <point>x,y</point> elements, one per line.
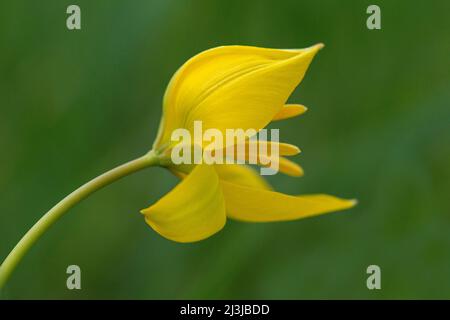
<point>76,103</point>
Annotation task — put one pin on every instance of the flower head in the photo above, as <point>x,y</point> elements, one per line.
<point>231,87</point>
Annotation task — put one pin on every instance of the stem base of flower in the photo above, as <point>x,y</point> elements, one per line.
<point>27,241</point>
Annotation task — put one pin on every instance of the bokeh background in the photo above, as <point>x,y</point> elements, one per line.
<point>76,103</point>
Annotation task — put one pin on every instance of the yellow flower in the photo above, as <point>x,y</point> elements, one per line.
<point>231,87</point>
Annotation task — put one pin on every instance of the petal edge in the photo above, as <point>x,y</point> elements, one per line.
<point>255,205</point>
<point>192,211</point>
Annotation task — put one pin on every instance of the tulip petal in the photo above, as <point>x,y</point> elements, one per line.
<point>252,149</point>
<point>257,205</point>
<point>232,87</point>
<point>290,168</point>
<point>284,165</point>
<point>284,149</point>
<point>192,211</point>
<point>290,111</point>
<point>242,175</point>
<point>287,149</point>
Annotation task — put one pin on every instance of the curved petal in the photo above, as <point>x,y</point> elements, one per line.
<point>242,175</point>
<point>192,211</point>
<point>284,165</point>
<point>255,149</point>
<point>287,149</point>
<point>290,167</point>
<point>290,111</point>
<point>256,205</point>
<point>284,149</point>
<point>232,87</point>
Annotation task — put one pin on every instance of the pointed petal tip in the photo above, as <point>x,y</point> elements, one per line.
<point>319,46</point>
<point>306,52</point>
<point>290,111</point>
<point>300,108</point>
<point>296,172</point>
<point>297,150</point>
<point>290,168</point>
<point>349,203</point>
<point>314,49</point>
<point>287,149</point>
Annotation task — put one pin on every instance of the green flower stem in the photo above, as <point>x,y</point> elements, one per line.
<point>22,247</point>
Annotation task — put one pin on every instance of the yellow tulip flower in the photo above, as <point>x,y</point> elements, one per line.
<point>231,87</point>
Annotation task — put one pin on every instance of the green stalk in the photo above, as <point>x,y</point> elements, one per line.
<point>48,219</point>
